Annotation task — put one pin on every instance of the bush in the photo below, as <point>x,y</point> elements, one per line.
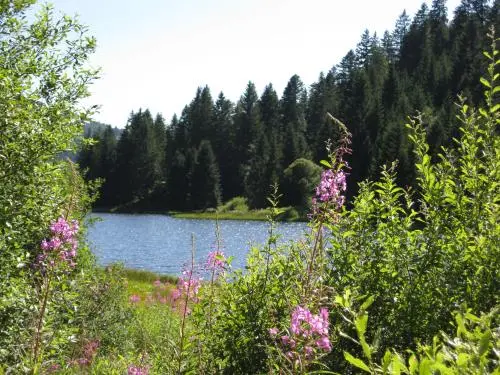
<point>238,204</point>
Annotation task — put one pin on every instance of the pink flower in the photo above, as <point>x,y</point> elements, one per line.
<point>176,293</point>
<point>216,260</point>
<point>273,331</point>
<point>136,370</point>
<point>61,246</point>
<point>308,350</point>
<point>285,340</point>
<point>134,298</point>
<point>324,343</point>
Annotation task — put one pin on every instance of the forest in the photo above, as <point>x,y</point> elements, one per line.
<point>396,273</point>
<point>216,149</point>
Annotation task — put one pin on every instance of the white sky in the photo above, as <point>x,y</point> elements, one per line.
<point>155,53</point>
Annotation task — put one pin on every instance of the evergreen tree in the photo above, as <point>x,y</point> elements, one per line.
<point>225,146</point>
<point>323,99</point>
<point>205,179</point>
<point>292,106</point>
<point>248,127</point>
<point>257,183</point>
<point>200,117</point>
<point>400,30</point>
<point>271,126</point>
<point>363,49</point>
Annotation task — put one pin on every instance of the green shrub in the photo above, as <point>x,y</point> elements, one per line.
<point>239,204</point>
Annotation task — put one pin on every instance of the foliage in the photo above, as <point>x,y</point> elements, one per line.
<point>300,179</point>
<point>437,244</point>
<point>43,76</point>
<point>473,349</point>
<point>235,204</point>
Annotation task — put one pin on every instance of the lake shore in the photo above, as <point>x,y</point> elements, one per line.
<point>289,214</point>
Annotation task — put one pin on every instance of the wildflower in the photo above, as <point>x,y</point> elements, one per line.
<point>324,343</point>
<point>331,186</point>
<point>136,370</point>
<point>134,298</point>
<point>176,293</point>
<point>273,331</point>
<point>216,260</point>
<point>308,350</point>
<point>61,246</point>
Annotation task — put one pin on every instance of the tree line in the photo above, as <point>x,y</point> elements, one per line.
<point>216,149</point>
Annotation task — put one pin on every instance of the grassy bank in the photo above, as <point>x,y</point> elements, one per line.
<point>234,209</point>
<point>289,214</point>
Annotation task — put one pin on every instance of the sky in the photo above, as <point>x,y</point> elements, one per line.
<point>155,53</point>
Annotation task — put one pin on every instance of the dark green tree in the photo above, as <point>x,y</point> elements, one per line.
<point>205,179</point>
<point>292,106</point>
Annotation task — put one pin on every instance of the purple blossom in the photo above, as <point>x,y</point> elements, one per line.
<point>324,343</point>
<point>61,247</point>
<point>216,260</point>
<point>273,331</point>
<point>330,188</point>
<point>136,370</point>
<point>134,298</point>
<point>308,350</point>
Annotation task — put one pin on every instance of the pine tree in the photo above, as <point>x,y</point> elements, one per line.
<point>225,146</point>
<point>248,128</point>
<point>271,126</point>
<point>292,106</point>
<point>205,179</point>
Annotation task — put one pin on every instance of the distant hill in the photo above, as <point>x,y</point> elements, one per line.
<point>94,129</point>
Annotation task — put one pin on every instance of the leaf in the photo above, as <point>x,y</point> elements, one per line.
<point>356,362</point>
<point>326,164</point>
<point>367,303</point>
<point>413,362</point>
<point>367,351</point>
<point>484,343</point>
<point>485,82</point>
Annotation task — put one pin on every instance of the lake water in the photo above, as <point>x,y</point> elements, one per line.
<point>162,243</point>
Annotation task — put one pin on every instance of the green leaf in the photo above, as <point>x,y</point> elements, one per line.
<point>356,362</point>
<point>368,302</point>
<point>484,343</point>
<point>485,82</point>
<point>326,164</point>
<point>361,322</point>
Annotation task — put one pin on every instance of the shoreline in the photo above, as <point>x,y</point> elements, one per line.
<point>289,214</point>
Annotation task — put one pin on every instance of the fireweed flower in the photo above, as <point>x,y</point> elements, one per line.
<point>309,332</point>
<point>216,261</point>
<point>273,331</point>
<point>134,298</point>
<point>61,247</point>
<point>136,370</point>
<point>331,187</point>
<point>188,284</point>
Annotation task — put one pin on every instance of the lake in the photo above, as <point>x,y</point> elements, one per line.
<point>162,244</point>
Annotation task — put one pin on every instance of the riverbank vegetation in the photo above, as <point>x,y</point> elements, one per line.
<point>403,281</point>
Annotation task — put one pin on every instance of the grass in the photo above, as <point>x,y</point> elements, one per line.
<point>234,209</point>
<point>289,214</point>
